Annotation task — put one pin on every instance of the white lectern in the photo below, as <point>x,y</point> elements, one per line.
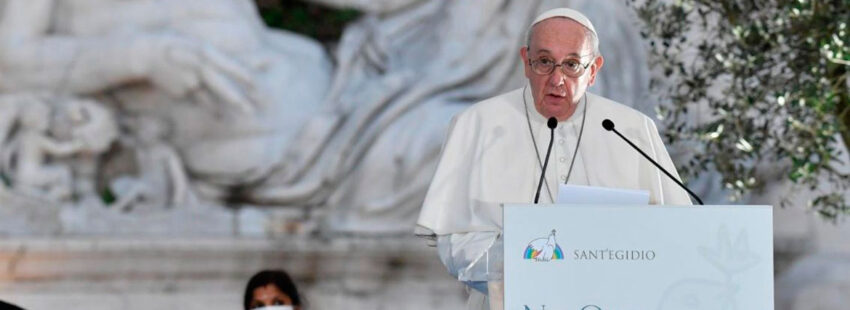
<point>603,257</point>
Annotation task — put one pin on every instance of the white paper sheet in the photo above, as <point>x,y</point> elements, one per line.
<point>575,194</point>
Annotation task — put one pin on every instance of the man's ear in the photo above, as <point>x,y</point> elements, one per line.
<point>594,68</point>
<point>523,54</point>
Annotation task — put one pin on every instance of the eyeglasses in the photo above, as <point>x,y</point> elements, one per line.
<point>570,67</point>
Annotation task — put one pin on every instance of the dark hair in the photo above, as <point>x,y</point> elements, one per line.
<point>277,277</point>
<point>8,306</point>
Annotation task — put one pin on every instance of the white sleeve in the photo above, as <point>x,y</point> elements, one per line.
<point>665,190</point>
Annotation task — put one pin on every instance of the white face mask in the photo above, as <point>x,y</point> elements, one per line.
<point>286,307</point>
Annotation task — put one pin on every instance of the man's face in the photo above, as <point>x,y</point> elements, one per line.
<point>559,40</point>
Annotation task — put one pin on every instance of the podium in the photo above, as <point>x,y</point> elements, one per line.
<point>600,257</point>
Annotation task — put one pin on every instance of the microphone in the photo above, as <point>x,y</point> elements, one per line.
<point>551,123</point>
<point>609,126</point>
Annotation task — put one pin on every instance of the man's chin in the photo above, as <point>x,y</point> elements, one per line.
<point>547,113</point>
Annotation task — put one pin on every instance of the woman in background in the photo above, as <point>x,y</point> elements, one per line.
<point>272,289</point>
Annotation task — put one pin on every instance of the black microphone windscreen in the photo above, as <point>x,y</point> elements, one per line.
<point>552,123</point>
<point>608,124</point>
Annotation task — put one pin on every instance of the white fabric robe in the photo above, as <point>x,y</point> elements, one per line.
<point>489,159</point>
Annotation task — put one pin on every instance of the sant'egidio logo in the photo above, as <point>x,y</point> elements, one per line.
<point>543,249</point>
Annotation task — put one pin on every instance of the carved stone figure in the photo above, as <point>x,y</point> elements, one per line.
<point>33,156</point>
<point>161,180</point>
<point>90,122</point>
<point>234,90</point>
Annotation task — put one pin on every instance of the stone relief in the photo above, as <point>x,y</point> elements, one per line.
<point>39,134</point>
<point>160,179</point>
<point>206,95</point>
<point>216,109</point>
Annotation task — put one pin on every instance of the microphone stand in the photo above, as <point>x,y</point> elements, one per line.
<point>609,126</point>
<point>551,123</point>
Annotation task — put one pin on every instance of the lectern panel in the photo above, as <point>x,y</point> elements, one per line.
<point>638,257</point>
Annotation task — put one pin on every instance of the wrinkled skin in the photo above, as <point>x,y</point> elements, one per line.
<point>556,94</point>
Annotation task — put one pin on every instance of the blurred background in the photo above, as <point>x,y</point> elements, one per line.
<point>157,154</point>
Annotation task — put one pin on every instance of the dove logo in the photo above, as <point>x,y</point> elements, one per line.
<point>543,249</point>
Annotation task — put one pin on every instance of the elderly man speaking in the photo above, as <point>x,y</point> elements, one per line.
<point>495,151</point>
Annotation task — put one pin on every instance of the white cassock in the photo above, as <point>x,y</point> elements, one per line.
<point>489,158</point>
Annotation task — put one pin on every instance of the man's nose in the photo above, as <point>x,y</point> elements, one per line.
<point>557,77</point>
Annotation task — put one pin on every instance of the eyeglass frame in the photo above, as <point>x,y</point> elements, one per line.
<point>561,64</point>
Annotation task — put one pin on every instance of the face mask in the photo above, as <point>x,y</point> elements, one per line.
<point>287,307</point>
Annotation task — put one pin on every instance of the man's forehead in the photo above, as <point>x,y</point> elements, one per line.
<point>571,14</point>
<point>546,52</point>
<point>559,35</point>
<point>560,25</point>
